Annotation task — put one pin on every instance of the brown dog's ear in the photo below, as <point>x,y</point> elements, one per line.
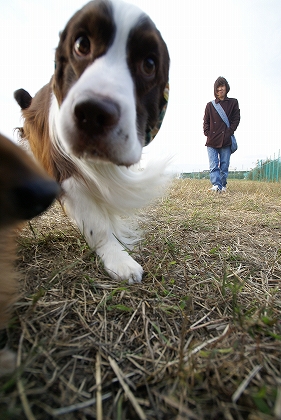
<point>23,98</point>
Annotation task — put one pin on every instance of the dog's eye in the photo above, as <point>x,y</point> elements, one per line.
<point>148,68</point>
<point>82,46</point>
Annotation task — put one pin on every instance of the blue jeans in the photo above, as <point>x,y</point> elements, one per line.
<point>219,163</point>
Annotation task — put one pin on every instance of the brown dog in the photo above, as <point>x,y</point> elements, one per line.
<point>89,124</point>
<point>25,192</point>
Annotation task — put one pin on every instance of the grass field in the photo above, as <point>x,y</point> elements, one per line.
<point>200,338</point>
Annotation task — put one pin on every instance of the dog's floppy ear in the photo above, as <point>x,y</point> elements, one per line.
<point>23,98</point>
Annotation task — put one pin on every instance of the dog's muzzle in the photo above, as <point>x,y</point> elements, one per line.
<point>96,115</point>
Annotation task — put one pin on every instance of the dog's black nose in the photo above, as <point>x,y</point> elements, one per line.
<point>96,116</point>
<point>33,197</point>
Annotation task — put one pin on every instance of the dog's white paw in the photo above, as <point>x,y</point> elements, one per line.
<point>123,267</point>
<point>126,270</point>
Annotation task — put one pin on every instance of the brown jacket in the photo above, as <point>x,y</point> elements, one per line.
<point>218,135</point>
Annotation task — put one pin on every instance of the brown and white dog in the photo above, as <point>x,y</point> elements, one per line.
<point>88,126</point>
<point>25,191</point>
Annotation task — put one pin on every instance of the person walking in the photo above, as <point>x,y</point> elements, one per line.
<point>219,134</point>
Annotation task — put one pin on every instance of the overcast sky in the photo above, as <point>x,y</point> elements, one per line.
<point>237,39</point>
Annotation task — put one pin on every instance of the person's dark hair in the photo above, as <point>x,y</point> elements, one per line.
<point>220,82</point>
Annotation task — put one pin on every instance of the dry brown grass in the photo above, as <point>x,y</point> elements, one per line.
<point>199,339</point>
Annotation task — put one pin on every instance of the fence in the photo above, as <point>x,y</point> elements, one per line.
<point>268,170</point>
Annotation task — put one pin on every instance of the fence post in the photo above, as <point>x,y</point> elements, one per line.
<point>277,168</point>
<point>268,171</point>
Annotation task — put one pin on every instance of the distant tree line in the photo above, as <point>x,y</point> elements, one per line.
<point>205,175</point>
